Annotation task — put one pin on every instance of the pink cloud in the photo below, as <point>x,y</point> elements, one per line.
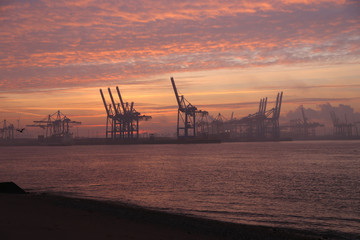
<point>64,44</point>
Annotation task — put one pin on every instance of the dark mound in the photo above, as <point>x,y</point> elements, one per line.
<point>10,187</point>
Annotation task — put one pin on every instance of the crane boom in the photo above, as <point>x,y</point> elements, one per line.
<point>264,110</point>
<point>176,93</point>
<point>303,115</point>
<point>260,105</point>
<point>121,101</point>
<point>103,98</point>
<point>113,102</point>
<point>131,106</point>
<point>276,106</point>
<point>279,107</point>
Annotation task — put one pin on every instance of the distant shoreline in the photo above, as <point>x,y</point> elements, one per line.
<point>164,140</point>
<point>50,216</point>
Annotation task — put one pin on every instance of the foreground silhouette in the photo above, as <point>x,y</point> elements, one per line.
<point>10,187</point>
<point>55,217</point>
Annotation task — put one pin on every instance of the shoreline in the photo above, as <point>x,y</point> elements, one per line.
<point>164,140</point>
<point>104,141</point>
<point>49,216</point>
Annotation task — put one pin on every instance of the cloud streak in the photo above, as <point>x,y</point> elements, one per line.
<point>89,43</point>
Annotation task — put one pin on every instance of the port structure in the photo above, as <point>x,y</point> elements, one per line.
<point>356,128</point>
<point>7,131</point>
<point>122,120</point>
<point>303,127</point>
<point>218,126</point>
<point>264,124</point>
<point>261,125</point>
<point>186,119</point>
<point>56,125</point>
<point>343,129</point>
<point>203,127</point>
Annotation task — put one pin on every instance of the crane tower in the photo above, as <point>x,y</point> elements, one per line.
<point>186,119</point>
<point>122,121</point>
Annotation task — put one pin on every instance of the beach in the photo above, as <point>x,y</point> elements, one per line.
<point>46,216</point>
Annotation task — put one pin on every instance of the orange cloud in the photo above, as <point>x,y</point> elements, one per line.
<point>143,39</point>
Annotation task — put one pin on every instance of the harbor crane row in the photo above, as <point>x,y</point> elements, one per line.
<point>262,125</point>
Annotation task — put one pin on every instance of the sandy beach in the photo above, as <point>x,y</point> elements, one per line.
<point>45,216</point>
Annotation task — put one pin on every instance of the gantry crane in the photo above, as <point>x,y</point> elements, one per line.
<point>186,119</point>
<point>303,127</point>
<point>262,125</point>
<point>341,128</point>
<point>7,131</point>
<point>55,125</point>
<point>122,121</point>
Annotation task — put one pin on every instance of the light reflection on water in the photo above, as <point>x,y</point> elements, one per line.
<point>306,185</point>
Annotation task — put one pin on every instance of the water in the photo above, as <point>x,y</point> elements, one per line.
<point>303,185</point>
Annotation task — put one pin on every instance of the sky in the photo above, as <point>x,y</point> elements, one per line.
<point>224,55</point>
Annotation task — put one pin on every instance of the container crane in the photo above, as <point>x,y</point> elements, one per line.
<point>186,119</point>
<point>7,131</point>
<point>341,128</point>
<point>57,128</point>
<point>122,118</point>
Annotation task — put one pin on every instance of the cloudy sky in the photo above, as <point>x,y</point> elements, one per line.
<point>224,55</point>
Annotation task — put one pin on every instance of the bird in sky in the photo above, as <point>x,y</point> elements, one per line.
<point>20,130</point>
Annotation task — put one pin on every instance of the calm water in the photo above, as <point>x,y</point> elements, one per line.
<point>304,185</point>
